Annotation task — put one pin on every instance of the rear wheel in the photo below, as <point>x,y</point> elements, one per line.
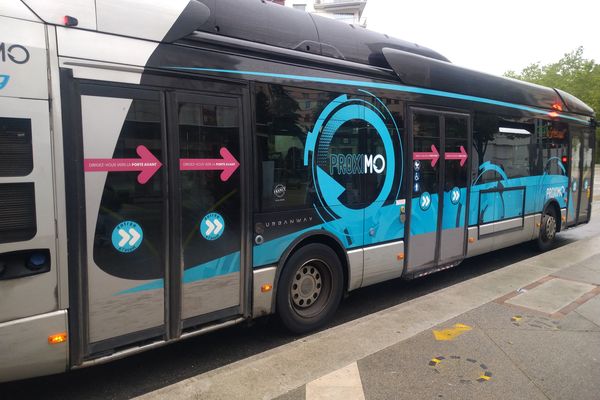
<point>310,288</point>
<point>548,230</point>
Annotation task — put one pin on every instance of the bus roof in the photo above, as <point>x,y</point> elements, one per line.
<point>263,22</point>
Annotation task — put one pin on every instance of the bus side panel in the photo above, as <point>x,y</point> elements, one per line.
<point>28,258</point>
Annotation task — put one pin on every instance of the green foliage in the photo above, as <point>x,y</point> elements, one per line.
<point>574,74</point>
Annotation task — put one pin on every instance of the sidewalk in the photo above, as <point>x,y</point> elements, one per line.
<point>527,331</point>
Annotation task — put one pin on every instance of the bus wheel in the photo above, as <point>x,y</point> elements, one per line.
<point>548,230</point>
<point>310,288</point>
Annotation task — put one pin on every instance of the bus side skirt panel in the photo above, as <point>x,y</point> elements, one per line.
<point>30,352</point>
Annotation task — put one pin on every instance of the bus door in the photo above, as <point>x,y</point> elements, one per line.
<point>582,150</point>
<point>163,214</point>
<point>439,187</point>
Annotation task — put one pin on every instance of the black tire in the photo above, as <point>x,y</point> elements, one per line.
<point>310,288</point>
<point>548,229</point>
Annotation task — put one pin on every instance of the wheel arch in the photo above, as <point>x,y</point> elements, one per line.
<point>553,205</point>
<point>316,236</point>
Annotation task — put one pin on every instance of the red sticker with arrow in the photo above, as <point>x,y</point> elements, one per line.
<point>227,164</point>
<point>147,164</point>
<point>432,156</point>
<point>462,156</point>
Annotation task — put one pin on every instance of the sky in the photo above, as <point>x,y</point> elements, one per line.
<point>492,36</point>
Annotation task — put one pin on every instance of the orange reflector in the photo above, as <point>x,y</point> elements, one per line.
<point>57,338</point>
<point>564,219</point>
<point>538,224</point>
<point>266,287</point>
<point>471,240</point>
<point>400,256</point>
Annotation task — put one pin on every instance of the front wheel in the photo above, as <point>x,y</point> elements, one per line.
<point>310,288</point>
<point>548,229</point>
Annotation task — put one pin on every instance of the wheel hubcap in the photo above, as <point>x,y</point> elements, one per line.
<point>550,228</point>
<point>306,286</point>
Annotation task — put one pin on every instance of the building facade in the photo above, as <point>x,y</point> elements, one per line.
<point>349,11</point>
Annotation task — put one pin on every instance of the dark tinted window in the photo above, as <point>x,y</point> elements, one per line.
<point>555,145</point>
<point>125,199</point>
<point>508,147</point>
<point>284,116</point>
<point>16,155</point>
<point>426,132</point>
<point>203,130</point>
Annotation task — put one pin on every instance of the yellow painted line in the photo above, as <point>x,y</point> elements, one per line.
<point>451,333</point>
<point>516,318</point>
<point>485,377</point>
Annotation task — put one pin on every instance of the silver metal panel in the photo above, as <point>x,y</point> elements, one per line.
<point>355,269</point>
<point>486,229</point>
<point>515,237</point>
<point>452,243</point>
<point>25,42</point>
<point>262,302</point>
<point>54,11</point>
<point>35,294</point>
<point>24,348</point>
<point>479,246</point>
<point>152,19</point>
<point>210,295</point>
<point>86,45</point>
<point>381,262</point>
<point>59,173</point>
<point>422,250</point>
<point>16,9</point>
<point>508,224</point>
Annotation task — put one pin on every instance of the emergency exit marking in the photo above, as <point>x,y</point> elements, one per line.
<point>212,226</point>
<point>127,236</point>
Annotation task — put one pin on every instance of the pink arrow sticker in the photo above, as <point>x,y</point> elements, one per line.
<point>433,156</point>
<point>147,164</point>
<point>228,164</point>
<point>462,156</point>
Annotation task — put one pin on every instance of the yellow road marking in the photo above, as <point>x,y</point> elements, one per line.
<point>451,333</point>
<point>485,377</point>
<point>516,318</point>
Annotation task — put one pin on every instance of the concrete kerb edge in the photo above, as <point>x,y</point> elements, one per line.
<point>535,268</point>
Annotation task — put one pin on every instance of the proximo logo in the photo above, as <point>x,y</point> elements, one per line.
<point>356,164</point>
<point>15,53</point>
<point>328,166</point>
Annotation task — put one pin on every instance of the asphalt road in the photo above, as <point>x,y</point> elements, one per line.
<point>148,371</point>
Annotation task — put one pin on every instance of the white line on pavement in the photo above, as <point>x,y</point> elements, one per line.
<point>343,384</point>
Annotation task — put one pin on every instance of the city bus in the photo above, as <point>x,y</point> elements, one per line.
<point>169,168</point>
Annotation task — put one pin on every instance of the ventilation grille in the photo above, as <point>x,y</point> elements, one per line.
<point>17,212</point>
<point>16,155</point>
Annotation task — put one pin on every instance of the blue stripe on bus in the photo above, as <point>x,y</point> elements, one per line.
<point>385,86</point>
<point>221,266</point>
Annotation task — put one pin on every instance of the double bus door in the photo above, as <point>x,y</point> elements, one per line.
<point>164,219</point>
<point>581,175</point>
<point>439,189</point>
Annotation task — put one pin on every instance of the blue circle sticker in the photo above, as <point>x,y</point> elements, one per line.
<point>212,226</point>
<point>455,195</point>
<point>586,184</point>
<point>127,236</point>
<point>425,201</point>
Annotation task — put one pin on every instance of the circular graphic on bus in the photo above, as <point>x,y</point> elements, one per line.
<point>355,139</point>
<point>212,226</point>
<point>127,236</point>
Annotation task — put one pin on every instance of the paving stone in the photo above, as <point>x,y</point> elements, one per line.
<point>551,296</point>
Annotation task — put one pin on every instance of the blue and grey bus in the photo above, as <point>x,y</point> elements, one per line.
<point>199,163</point>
